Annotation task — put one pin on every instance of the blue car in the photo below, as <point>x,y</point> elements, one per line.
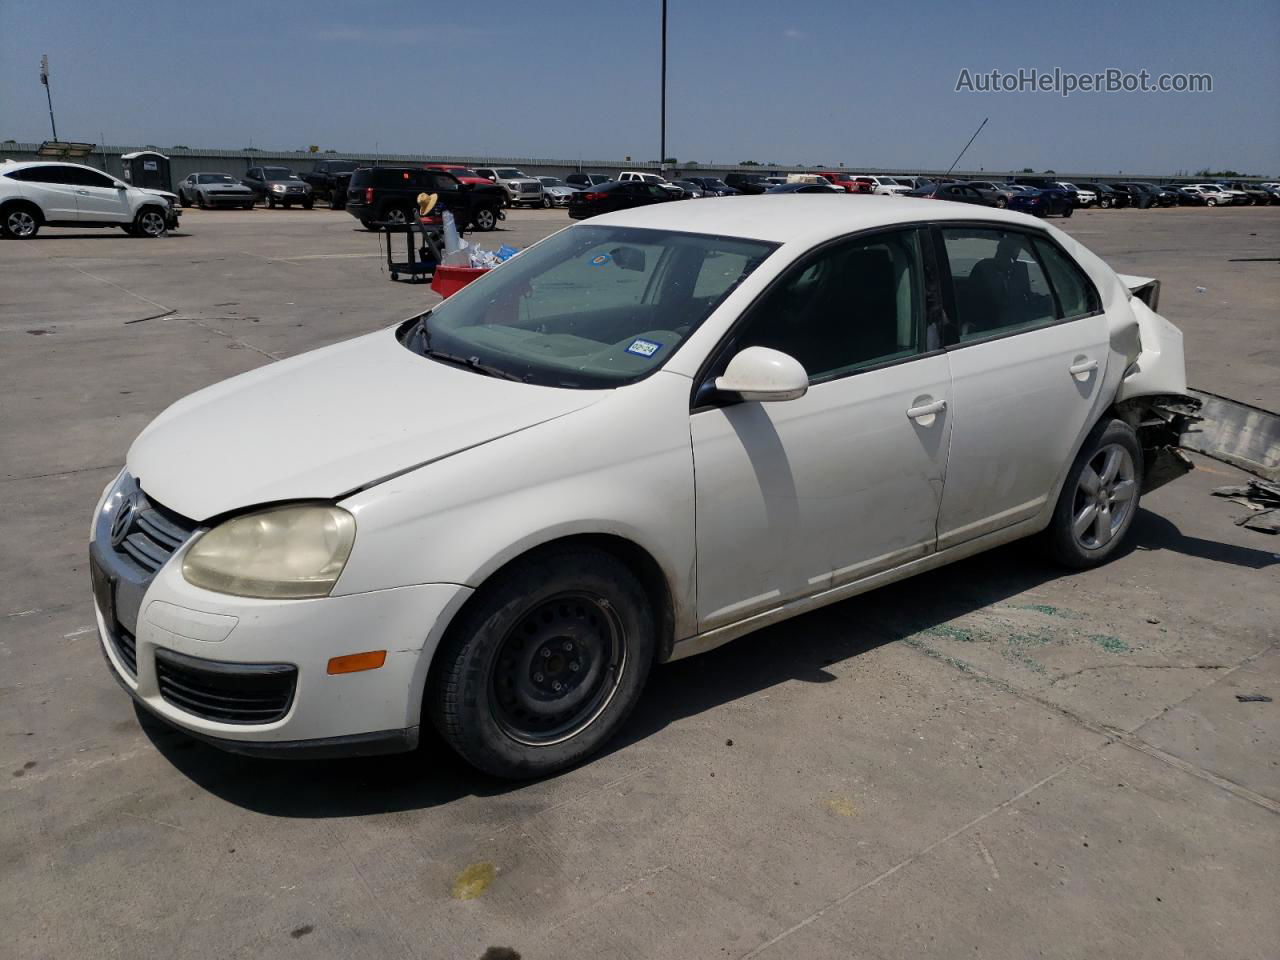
<point>1043,202</point>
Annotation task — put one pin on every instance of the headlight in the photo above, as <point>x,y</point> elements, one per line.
<point>278,187</point>
<point>282,553</point>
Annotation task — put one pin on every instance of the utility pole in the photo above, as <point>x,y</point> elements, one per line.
<point>969,144</point>
<point>662,148</point>
<point>44,78</point>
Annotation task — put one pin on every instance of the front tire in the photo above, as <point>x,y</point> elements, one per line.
<point>150,222</point>
<point>545,664</point>
<point>486,219</point>
<point>546,202</point>
<point>308,204</point>
<point>1002,202</point>
<point>1099,499</point>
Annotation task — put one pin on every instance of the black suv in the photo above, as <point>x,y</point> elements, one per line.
<point>1108,196</point>
<point>390,195</point>
<point>329,180</point>
<point>748,182</point>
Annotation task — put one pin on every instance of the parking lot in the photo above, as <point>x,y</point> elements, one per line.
<point>992,760</point>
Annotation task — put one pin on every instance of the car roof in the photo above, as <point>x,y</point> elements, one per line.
<point>21,164</point>
<point>800,218</point>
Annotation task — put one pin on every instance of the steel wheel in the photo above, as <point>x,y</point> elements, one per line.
<point>1104,497</point>
<point>486,219</point>
<point>21,224</point>
<point>557,670</point>
<point>151,223</point>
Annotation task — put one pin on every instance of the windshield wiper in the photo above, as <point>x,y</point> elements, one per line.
<point>473,363</point>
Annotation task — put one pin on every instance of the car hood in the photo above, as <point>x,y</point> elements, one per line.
<point>287,183</point>
<point>327,423</point>
<point>224,185</point>
<point>158,193</point>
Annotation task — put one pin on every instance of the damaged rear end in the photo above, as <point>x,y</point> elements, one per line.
<point>1153,396</point>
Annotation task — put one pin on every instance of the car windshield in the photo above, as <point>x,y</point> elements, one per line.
<point>217,178</point>
<point>716,184</point>
<point>552,181</point>
<point>590,307</point>
<point>341,166</point>
<point>509,173</point>
<point>278,173</point>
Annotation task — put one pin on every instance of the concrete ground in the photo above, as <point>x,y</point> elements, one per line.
<point>992,760</point>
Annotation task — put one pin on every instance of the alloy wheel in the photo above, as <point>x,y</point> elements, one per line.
<point>151,223</point>
<point>20,223</point>
<point>1104,497</point>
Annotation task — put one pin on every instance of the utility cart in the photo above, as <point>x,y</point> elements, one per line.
<point>421,257</point>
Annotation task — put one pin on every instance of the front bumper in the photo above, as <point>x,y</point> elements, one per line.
<point>157,633</point>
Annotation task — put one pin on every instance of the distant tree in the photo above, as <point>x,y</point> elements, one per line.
<point>179,146</point>
<point>1219,173</point>
<point>671,160</point>
<point>1052,173</point>
<point>1027,170</point>
<point>692,163</point>
<point>331,151</point>
<point>748,163</point>
<point>250,150</point>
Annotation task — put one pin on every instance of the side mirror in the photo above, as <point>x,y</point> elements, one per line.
<point>759,373</point>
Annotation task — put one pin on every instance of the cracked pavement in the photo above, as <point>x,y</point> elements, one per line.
<point>995,759</point>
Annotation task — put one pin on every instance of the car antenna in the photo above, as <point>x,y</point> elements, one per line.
<point>969,144</point>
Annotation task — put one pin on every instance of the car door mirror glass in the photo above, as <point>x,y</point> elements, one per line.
<point>764,375</point>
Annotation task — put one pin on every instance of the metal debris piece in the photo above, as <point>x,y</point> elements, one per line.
<point>1253,698</point>
<point>1268,521</point>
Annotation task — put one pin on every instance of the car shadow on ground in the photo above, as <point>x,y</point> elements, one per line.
<point>799,649</point>
<point>107,233</point>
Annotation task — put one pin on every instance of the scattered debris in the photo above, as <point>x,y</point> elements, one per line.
<point>1153,619</point>
<point>1268,521</point>
<point>728,743</point>
<point>1260,496</point>
<point>1253,698</point>
<point>155,316</point>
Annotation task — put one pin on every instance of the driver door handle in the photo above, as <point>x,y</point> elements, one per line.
<point>1084,366</point>
<point>926,409</point>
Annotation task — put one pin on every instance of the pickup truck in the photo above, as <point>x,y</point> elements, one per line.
<point>329,180</point>
<point>845,181</point>
<point>390,195</point>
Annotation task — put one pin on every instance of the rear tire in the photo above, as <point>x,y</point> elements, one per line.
<point>308,204</point>
<point>1099,499</point>
<point>545,663</point>
<point>397,215</point>
<point>1068,211</point>
<point>486,219</point>
<point>21,221</point>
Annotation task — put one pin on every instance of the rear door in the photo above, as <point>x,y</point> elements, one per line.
<point>801,496</point>
<point>52,188</point>
<point>1027,348</point>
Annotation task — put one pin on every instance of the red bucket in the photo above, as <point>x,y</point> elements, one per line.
<point>447,281</point>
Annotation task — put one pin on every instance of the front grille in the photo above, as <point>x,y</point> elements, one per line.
<point>248,693</point>
<point>153,535</point>
<point>126,648</point>
<point>530,188</point>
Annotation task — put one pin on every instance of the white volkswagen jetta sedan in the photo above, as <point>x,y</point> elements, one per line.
<point>642,437</point>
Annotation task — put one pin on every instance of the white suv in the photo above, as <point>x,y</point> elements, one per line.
<point>637,176</point>
<point>885,186</point>
<point>39,194</point>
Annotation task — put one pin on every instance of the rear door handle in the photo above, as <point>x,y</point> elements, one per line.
<point>1083,366</point>
<point>926,409</point>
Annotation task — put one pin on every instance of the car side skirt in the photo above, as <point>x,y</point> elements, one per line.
<point>703,642</point>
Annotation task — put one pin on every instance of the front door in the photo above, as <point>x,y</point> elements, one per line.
<point>1032,342</point>
<point>100,199</point>
<point>799,496</point>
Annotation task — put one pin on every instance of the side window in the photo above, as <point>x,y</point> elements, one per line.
<point>50,174</point>
<point>656,191</point>
<point>999,286</point>
<point>88,178</point>
<point>853,305</point>
<point>1076,294</point>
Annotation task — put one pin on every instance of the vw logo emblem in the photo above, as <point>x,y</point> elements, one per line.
<point>123,519</point>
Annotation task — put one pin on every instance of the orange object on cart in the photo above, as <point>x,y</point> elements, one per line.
<point>449,280</point>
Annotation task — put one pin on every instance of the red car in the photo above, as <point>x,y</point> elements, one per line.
<point>463,174</point>
<point>845,182</point>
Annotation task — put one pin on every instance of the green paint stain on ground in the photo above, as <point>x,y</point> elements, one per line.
<point>1035,666</point>
<point>473,881</point>
<point>1110,644</point>
<point>958,633</point>
<point>1050,611</point>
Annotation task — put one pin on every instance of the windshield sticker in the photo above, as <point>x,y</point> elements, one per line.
<point>600,261</point>
<point>643,348</point>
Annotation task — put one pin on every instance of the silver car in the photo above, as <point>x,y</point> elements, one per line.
<point>1001,193</point>
<point>215,190</point>
<point>521,188</point>
<point>555,192</point>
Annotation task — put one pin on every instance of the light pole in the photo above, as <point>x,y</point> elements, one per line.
<point>44,78</point>
<point>662,146</point>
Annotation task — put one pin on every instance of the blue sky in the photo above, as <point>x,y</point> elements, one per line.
<point>867,84</point>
